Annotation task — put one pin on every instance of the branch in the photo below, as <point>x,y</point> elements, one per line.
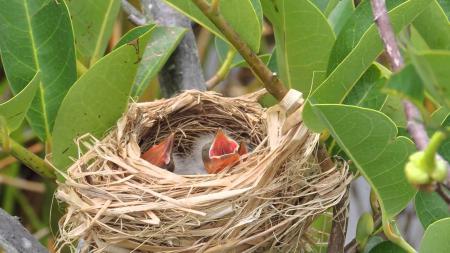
<point>270,80</point>
<point>414,120</point>
<point>32,161</point>
<point>134,15</point>
<point>182,71</point>
<point>15,238</point>
<point>223,70</point>
<point>336,241</point>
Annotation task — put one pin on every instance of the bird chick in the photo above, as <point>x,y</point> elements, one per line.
<point>222,152</point>
<point>161,154</point>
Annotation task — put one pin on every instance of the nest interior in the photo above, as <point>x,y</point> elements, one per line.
<point>118,202</point>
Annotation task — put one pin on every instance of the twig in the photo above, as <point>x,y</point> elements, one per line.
<point>182,71</point>
<point>32,161</point>
<point>35,148</point>
<point>270,80</point>
<point>22,184</point>
<point>413,117</point>
<point>336,241</point>
<point>223,70</point>
<point>444,195</point>
<point>134,15</point>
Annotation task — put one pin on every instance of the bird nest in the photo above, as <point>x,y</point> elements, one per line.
<point>118,202</point>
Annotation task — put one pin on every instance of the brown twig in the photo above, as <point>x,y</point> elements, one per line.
<point>444,195</point>
<point>270,80</point>
<point>336,241</point>
<point>414,120</point>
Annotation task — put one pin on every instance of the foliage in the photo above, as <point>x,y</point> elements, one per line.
<point>71,75</point>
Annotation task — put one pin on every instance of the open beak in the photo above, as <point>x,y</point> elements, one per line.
<point>222,153</point>
<point>161,153</point>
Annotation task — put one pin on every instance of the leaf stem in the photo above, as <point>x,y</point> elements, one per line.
<point>32,161</point>
<point>223,70</point>
<point>270,80</point>
<point>393,236</point>
<point>431,150</point>
<point>81,69</point>
<point>214,6</point>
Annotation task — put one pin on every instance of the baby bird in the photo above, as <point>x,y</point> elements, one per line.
<point>222,152</point>
<point>161,154</point>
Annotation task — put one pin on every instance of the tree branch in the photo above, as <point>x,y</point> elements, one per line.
<point>270,80</point>
<point>182,71</point>
<point>14,238</point>
<point>414,120</point>
<point>134,15</point>
<point>32,161</point>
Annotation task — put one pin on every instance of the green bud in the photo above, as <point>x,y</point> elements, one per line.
<point>415,174</point>
<point>440,171</point>
<point>364,229</point>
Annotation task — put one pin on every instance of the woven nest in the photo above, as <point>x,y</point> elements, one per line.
<point>118,202</point>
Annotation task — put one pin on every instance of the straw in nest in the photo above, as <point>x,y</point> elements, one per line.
<point>117,202</point>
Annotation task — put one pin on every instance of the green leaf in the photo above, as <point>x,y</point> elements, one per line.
<point>435,238</point>
<point>242,16</point>
<point>372,242</point>
<point>407,85</point>
<point>430,207</point>
<point>162,43</point>
<point>340,15</point>
<point>92,25</point>
<point>13,111</point>
<point>36,36</point>
<point>444,149</point>
<point>387,247</point>
<point>366,49</point>
<point>222,49</point>
<point>133,34</point>
<point>96,100</point>
<point>368,137</point>
<point>393,108</point>
<point>303,42</point>
<point>434,27</point>
<point>433,68</point>
<point>445,5</point>
<point>367,91</point>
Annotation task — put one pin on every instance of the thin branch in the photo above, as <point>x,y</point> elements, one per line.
<point>336,241</point>
<point>223,70</point>
<point>270,80</point>
<point>32,161</point>
<point>414,120</point>
<point>134,15</point>
<point>35,148</point>
<point>443,193</point>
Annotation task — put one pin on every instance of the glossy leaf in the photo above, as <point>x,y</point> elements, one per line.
<point>133,34</point>
<point>372,242</point>
<point>369,139</point>
<point>367,91</point>
<point>445,5</point>
<point>14,110</point>
<point>387,247</point>
<point>36,36</point>
<point>433,68</point>
<point>162,43</point>
<point>240,14</point>
<point>340,15</point>
<point>303,42</point>
<point>393,108</point>
<point>430,207</point>
<point>96,100</point>
<point>344,76</point>
<point>435,238</point>
<point>434,27</point>
<point>406,84</point>
<point>93,22</point>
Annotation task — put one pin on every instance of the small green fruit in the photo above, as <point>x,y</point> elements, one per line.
<point>415,174</point>
<point>440,171</point>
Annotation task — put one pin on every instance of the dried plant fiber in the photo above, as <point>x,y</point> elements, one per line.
<point>118,202</point>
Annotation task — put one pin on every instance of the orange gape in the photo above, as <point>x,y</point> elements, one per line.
<point>161,154</point>
<point>223,152</point>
